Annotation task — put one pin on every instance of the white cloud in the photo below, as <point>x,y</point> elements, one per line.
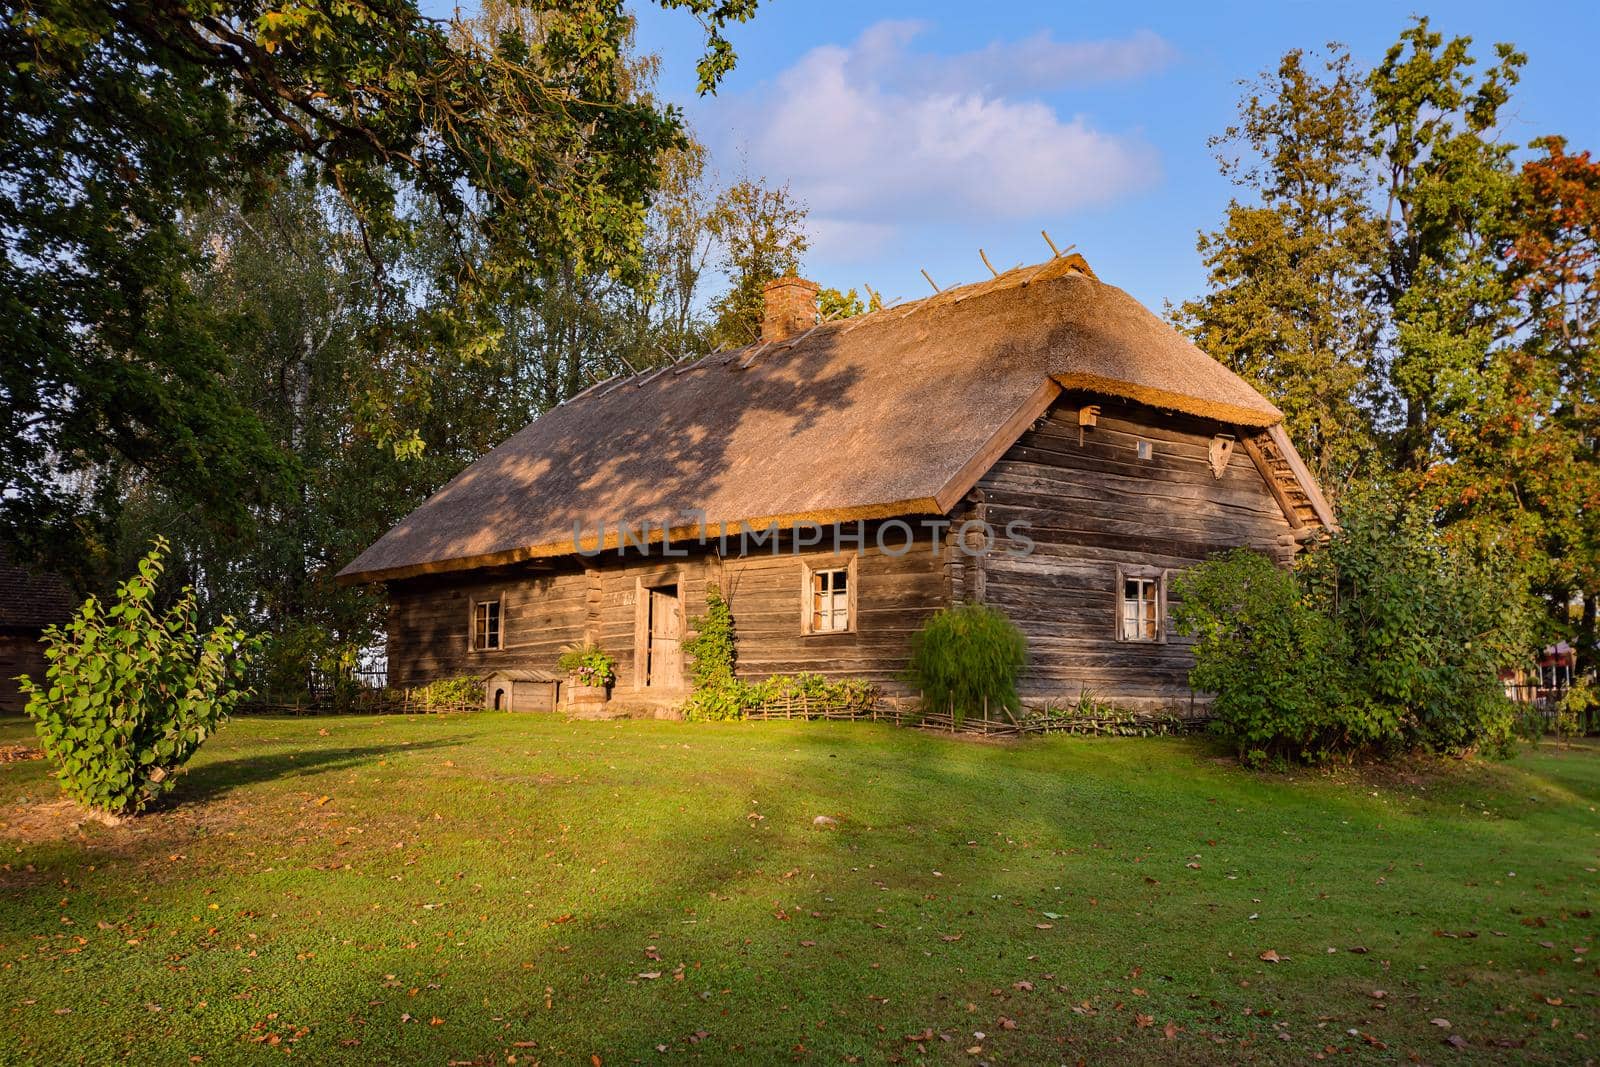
<point>1034,64</point>
<point>874,135</point>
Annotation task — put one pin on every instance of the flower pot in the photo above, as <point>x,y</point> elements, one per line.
<point>585,698</point>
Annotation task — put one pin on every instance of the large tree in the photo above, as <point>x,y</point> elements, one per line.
<point>1287,304</point>
<point>123,120</point>
<point>759,229</point>
<point>1402,279</point>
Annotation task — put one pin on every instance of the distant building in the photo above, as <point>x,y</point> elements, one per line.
<point>29,601</point>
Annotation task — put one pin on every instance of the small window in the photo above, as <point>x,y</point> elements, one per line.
<point>1146,450</point>
<point>485,625</point>
<point>1141,605</point>
<point>830,601</point>
<point>828,598</point>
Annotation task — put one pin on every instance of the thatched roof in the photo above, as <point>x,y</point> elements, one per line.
<point>32,600</point>
<point>895,412</point>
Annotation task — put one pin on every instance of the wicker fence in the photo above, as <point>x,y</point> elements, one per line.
<point>362,702</point>
<point>1040,721</point>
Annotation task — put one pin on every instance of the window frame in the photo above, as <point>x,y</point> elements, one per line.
<point>474,603</point>
<point>1159,576</point>
<point>807,572</point>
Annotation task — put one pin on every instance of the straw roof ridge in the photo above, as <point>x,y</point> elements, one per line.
<point>880,414</point>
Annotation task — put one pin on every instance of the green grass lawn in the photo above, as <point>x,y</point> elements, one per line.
<point>497,889</point>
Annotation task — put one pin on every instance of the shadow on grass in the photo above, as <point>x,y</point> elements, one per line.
<point>209,781</point>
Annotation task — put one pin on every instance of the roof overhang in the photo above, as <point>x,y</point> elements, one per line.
<point>946,498</point>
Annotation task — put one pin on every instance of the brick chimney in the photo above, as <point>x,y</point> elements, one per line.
<point>791,307</point>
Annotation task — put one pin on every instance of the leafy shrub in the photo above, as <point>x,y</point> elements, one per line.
<point>720,695</point>
<point>589,664</point>
<point>966,660</point>
<point>464,689</point>
<point>1385,638</point>
<point>813,690</point>
<point>1271,659</point>
<point>714,646</point>
<point>129,695</point>
<point>1575,710</point>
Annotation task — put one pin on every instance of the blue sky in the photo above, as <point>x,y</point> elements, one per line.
<point>918,132</point>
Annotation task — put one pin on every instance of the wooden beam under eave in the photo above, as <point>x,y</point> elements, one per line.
<point>1290,512</point>
<point>1302,474</point>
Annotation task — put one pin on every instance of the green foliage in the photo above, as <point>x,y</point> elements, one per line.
<point>1576,710</point>
<point>966,659</point>
<point>761,230</point>
<point>719,695</point>
<point>714,647</point>
<point>527,135</point>
<point>1090,715</point>
<point>307,658</point>
<point>1270,658</point>
<point>1386,638</point>
<point>589,664</point>
<point>464,690</point>
<point>130,694</point>
<point>1288,274</point>
<point>812,691</point>
<point>1422,305</point>
<point>834,304</point>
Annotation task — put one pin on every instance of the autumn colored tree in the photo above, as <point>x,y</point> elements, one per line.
<point>1554,257</point>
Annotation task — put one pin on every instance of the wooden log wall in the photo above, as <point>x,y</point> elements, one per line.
<point>541,611</point>
<point>895,593</point>
<point>596,599</point>
<point>1092,506</point>
<point>1088,506</point>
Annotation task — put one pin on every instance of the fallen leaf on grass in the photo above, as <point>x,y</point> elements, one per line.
<point>1441,1023</point>
<point>1141,1020</point>
<point>648,975</point>
<point>1271,956</point>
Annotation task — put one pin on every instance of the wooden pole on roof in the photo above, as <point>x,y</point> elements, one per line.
<point>1054,251</point>
<point>986,263</point>
<point>931,282</point>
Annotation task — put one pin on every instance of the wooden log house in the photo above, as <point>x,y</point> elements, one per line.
<point>1039,442</point>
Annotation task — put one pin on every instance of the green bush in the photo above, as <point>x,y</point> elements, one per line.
<point>714,646</point>
<point>129,695</point>
<point>463,689</point>
<point>1575,710</point>
<point>719,695</point>
<point>966,660</point>
<point>1272,661</point>
<point>813,690</point>
<point>589,664</point>
<point>1385,638</point>
<point>305,658</point>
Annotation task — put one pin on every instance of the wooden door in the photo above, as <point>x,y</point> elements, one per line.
<point>666,640</point>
